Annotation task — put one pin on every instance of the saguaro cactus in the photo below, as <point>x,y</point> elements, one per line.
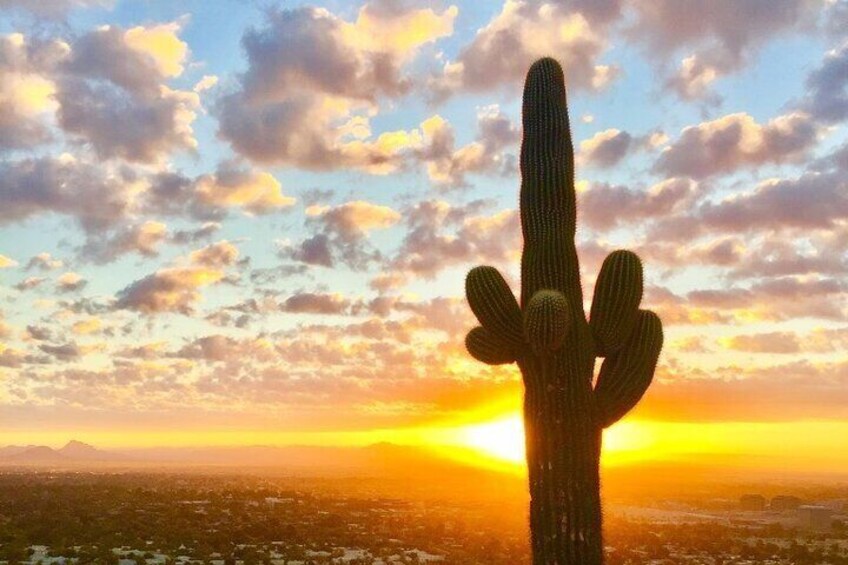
<point>553,343</point>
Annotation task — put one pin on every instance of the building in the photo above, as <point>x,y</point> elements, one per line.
<point>785,502</point>
<point>754,502</point>
<point>814,517</point>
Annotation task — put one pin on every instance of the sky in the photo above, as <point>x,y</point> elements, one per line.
<point>249,222</point>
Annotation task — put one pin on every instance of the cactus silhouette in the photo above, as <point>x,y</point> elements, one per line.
<point>553,343</point>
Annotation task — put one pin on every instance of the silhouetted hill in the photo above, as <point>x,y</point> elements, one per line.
<point>80,451</point>
<point>36,454</point>
<point>73,453</point>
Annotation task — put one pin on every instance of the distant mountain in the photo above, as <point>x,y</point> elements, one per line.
<point>74,452</point>
<point>10,450</point>
<point>35,454</point>
<point>80,451</point>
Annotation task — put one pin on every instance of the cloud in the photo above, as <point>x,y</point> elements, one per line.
<point>64,352</point>
<point>353,220</point>
<point>827,87</point>
<point>448,165</point>
<point>315,303</point>
<point>811,201</point>
<point>95,195</point>
<point>819,340</point>
<point>440,235</point>
<point>6,262</point>
<point>719,37</point>
<point>142,238</point>
<point>116,76</point>
<point>39,333</point>
<point>776,258</point>
<point>255,192</point>
<point>70,282</point>
<point>694,78</point>
<point>87,326</point>
<point>152,127</point>
<point>778,298</point>
<point>605,206</point>
<point>205,231</point>
<point>313,80</point>
<point>137,60</point>
<point>29,283</point>
<point>216,255</point>
<point>523,31</point>
<point>44,261</point>
<point>605,148</point>
<point>52,9</point>
<point>219,348</point>
<point>794,390</point>
<point>735,141</point>
<point>26,89</point>
<point>811,208</point>
<point>771,342</point>
<point>174,289</point>
<point>342,233</point>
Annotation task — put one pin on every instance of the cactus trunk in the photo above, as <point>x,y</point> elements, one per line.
<point>555,346</point>
<point>563,451</point>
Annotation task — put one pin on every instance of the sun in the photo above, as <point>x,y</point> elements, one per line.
<point>502,439</point>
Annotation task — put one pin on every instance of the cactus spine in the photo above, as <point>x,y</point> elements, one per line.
<point>554,345</point>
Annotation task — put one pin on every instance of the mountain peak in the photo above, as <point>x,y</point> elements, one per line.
<point>79,450</point>
<point>75,444</point>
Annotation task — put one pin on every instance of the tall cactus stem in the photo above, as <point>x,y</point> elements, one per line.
<point>555,347</point>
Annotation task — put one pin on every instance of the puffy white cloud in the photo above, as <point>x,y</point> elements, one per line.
<point>45,262</point>
<point>735,141</point>
<point>316,303</point>
<point>216,255</point>
<point>605,148</point>
<point>448,165</point>
<point>256,192</point>
<point>52,9</point>
<point>342,233</point>
<point>314,79</point>
<point>827,87</point>
<point>6,262</point>
<point>70,282</point>
<point>502,51</point>
<point>440,235</point>
<point>143,238</point>
<point>174,289</point>
<point>95,195</point>
<point>694,78</point>
<point>115,123</point>
<point>606,206</point>
<point>719,37</point>
<point>27,89</point>
<point>29,283</point>
<point>113,95</point>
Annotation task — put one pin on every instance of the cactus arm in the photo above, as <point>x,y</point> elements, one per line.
<point>494,305</point>
<point>626,374</point>
<point>486,347</point>
<point>615,305</point>
<point>546,321</point>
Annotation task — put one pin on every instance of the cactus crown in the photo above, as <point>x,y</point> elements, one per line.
<point>550,320</point>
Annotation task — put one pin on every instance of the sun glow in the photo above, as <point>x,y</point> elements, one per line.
<point>502,439</point>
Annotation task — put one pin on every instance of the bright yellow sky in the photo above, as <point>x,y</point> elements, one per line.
<point>494,439</point>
